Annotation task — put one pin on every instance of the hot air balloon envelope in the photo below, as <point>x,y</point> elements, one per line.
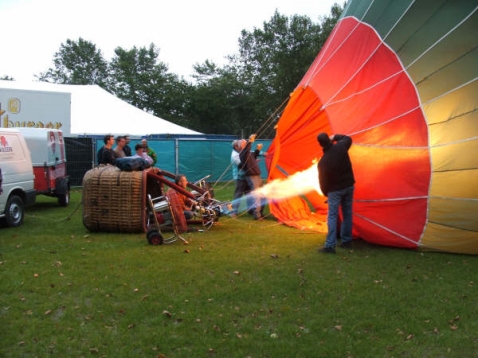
<point>400,78</point>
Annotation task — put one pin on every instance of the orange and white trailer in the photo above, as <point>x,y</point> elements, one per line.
<point>47,148</point>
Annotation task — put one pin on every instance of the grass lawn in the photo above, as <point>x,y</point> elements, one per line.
<point>242,289</point>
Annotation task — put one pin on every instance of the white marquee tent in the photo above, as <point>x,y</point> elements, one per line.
<point>92,111</point>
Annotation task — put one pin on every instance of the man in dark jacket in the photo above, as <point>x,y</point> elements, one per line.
<point>106,155</point>
<point>336,179</point>
<point>238,174</point>
<point>127,148</point>
<point>253,174</point>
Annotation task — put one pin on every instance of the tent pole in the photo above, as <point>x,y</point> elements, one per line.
<point>176,156</point>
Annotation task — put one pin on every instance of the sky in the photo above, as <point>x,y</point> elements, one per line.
<point>185,31</point>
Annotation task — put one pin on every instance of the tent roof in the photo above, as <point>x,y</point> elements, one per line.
<point>95,111</point>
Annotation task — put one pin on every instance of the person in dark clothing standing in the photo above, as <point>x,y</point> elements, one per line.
<point>99,154</point>
<point>127,148</point>
<point>238,174</point>
<point>253,174</point>
<point>119,149</point>
<point>106,155</point>
<point>336,179</point>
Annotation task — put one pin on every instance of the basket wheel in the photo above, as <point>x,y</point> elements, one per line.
<point>154,237</point>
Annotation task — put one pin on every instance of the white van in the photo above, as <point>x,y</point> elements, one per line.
<point>16,177</point>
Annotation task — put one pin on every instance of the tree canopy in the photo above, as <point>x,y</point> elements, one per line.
<point>77,62</point>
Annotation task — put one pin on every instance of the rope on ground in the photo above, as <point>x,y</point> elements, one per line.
<point>73,212</point>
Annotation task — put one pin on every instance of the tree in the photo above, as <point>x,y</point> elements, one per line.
<point>275,58</point>
<point>217,100</point>
<point>79,63</point>
<point>138,77</point>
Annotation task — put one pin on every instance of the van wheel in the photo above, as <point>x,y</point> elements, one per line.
<point>14,211</point>
<point>64,199</point>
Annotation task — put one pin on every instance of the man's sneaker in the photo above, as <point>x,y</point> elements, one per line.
<point>346,245</point>
<point>327,250</point>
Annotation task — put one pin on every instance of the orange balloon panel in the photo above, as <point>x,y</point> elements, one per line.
<point>392,223</point>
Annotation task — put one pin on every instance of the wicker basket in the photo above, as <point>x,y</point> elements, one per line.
<point>115,200</point>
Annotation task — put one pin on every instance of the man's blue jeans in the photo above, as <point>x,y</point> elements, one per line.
<point>341,198</point>
<point>255,182</point>
<point>242,189</point>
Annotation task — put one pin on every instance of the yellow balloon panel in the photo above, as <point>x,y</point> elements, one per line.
<point>452,105</point>
<point>456,156</point>
<point>443,238</point>
<point>455,184</point>
<point>457,213</point>
<point>460,128</point>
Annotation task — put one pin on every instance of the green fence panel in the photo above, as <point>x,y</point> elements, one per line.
<point>195,158</point>
<point>165,150</point>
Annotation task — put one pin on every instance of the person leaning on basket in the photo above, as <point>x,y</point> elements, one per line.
<point>149,151</point>
<point>142,154</point>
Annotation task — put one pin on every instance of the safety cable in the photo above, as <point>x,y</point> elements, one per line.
<point>264,127</point>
